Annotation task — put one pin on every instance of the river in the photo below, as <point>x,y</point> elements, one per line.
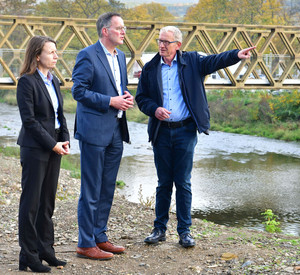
<point>235,177</point>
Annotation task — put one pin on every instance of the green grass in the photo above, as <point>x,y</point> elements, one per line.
<point>69,103</point>
<point>71,163</point>
<point>10,151</point>
<point>68,162</point>
<point>257,113</point>
<point>284,131</point>
<point>8,96</point>
<point>134,114</point>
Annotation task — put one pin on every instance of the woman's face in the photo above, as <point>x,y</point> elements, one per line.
<point>48,57</point>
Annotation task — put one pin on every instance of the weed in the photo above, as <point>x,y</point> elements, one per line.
<point>6,127</point>
<point>271,225</point>
<point>120,184</point>
<point>148,201</point>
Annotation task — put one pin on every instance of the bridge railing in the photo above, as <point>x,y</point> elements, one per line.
<point>275,64</point>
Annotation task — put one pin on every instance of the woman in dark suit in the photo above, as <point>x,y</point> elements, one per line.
<point>43,139</point>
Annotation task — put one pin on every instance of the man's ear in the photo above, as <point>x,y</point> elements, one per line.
<point>178,45</point>
<point>104,31</point>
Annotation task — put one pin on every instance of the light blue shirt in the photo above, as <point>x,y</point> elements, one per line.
<point>51,90</point>
<point>115,69</point>
<point>172,96</point>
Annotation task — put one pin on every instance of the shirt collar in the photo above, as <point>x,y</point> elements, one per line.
<point>47,78</point>
<point>106,51</point>
<point>162,62</point>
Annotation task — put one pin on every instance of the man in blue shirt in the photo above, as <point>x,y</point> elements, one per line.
<point>171,92</point>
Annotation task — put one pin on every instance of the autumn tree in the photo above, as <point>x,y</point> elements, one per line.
<point>208,11</point>
<point>77,8</point>
<point>272,12</point>
<point>138,13</point>
<point>17,7</point>
<point>151,11</point>
<point>244,11</point>
<point>146,12</point>
<point>291,11</point>
<point>237,12</point>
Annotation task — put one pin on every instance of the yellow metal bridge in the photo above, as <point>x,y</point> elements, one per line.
<point>275,64</point>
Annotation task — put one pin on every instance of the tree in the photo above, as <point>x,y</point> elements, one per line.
<point>244,11</point>
<point>146,12</point>
<point>237,12</point>
<point>207,11</point>
<point>158,12</point>
<point>77,8</point>
<point>272,12</point>
<point>139,13</point>
<point>17,7</point>
<point>291,11</point>
<point>151,11</point>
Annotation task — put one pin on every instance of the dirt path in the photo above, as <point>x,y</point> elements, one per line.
<point>219,249</point>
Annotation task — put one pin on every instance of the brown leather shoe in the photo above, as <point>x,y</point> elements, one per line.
<point>93,253</point>
<point>109,247</point>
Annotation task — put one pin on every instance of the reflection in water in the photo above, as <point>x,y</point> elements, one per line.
<point>236,189</point>
<point>235,177</point>
<point>231,189</point>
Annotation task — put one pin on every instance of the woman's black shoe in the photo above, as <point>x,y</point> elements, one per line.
<point>53,261</point>
<point>35,267</point>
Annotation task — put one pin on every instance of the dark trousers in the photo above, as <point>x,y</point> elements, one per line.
<point>173,156</point>
<point>99,168</point>
<point>40,172</point>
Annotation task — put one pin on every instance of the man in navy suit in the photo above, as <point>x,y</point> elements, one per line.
<point>100,79</point>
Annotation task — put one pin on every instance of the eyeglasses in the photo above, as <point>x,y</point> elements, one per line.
<point>165,42</point>
<point>119,29</point>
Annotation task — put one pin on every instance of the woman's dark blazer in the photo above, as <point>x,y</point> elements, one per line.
<point>37,113</point>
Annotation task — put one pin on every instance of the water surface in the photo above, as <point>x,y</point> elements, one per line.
<point>234,179</point>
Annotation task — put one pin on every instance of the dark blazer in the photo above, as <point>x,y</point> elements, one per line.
<point>37,114</point>
<point>192,69</point>
<point>93,87</point>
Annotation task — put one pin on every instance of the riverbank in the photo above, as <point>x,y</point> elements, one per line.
<point>219,249</point>
<point>268,114</point>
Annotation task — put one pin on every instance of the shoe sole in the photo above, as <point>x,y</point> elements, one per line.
<point>91,258</point>
<point>122,252</point>
<point>186,245</point>
<point>154,242</point>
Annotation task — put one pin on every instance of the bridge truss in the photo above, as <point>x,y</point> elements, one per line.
<point>275,64</point>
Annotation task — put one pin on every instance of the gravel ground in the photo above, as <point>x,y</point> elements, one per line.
<point>219,249</point>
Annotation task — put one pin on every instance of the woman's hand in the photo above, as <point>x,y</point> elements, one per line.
<point>62,148</point>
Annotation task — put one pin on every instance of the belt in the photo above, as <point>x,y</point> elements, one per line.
<point>176,124</point>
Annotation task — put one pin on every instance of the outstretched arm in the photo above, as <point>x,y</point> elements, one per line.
<point>245,53</point>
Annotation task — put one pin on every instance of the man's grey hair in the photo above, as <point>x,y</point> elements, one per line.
<point>104,21</point>
<point>177,33</point>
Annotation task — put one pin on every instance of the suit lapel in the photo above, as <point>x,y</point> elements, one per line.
<point>43,86</point>
<point>57,89</point>
<point>101,55</point>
